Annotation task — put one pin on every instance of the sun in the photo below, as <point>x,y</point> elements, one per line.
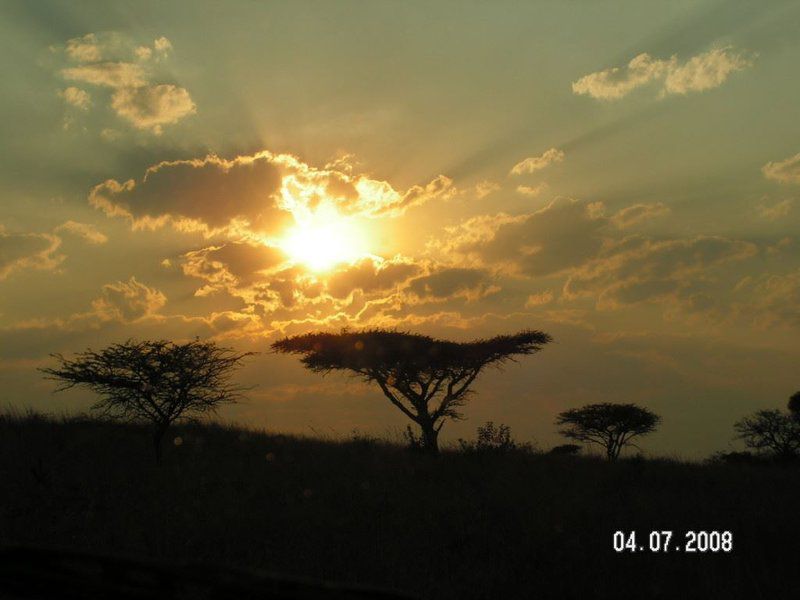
<point>322,240</point>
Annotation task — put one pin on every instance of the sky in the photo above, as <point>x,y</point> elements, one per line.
<point>624,175</point>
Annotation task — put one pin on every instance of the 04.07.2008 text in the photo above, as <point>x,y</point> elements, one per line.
<point>665,541</point>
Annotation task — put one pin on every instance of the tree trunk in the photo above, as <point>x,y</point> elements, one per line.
<point>158,436</point>
<point>612,452</point>
<point>430,437</point>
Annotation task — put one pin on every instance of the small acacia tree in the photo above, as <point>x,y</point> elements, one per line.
<point>155,381</point>
<point>427,379</point>
<point>611,426</point>
<point>771,431</point>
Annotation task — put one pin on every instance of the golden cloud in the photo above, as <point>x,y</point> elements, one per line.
<point>83,230</point>
<point>128,301</point>
<point>153,106</point>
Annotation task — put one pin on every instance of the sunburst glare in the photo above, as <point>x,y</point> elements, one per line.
<point>324,239</point>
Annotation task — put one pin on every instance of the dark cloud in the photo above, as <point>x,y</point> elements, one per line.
<point>208,194</point>
<point>563,235</point>
<point>233,264</point>
<point>370,276</point>
<point>449,283</point>
<point>639,269</point>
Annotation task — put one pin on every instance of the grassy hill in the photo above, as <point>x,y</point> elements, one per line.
<point>463,525</point>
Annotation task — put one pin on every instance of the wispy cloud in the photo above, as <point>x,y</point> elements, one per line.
<point>21,251</point>
<point>775,211</point>
<point>699,73</point>
<point>531,190</point>
<point>784,171</point>
<point>636,213</point>
<point>83,230</point>
<point>537,163</point>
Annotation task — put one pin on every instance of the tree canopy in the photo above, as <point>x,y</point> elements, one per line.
<point>611,426</point>
<point>155,381</point>
<point>771,431</point>
<point>794,405</point>
<point>426,378</point>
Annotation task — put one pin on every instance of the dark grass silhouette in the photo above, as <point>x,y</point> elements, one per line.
<point>516,524</point>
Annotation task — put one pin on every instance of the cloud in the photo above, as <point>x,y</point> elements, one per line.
<point>632,215</point>
<point>160,49</point>
<point>486,187</point>
<point>76,97</point>
<point>83,230</point>
<point>259,194</point>
<point>84,49</point>
<point>107,74</point>
<point>784,171</point>
<point>128,301</point>
<point>379,198</point>
<point>704,71</point>
<point>371,275</point>
<point>151,107</point>
<point>638,269</point>
<point>21,251</point>
<point>146,104</point>
<point>701,72</point>
<point>532,191</point>
<point>773,300</point>
<point>536,163</point>
<point>454,282</point>
<point>562,235</point>
<point>231,265</point>
<point>776,211</point>
<point>533,300</point>
<point>162,45</point>
<point>208,194</point>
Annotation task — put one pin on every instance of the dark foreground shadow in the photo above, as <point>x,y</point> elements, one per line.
<point>35,573</point>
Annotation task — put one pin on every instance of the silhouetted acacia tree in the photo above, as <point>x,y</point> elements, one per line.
<point>427,379</point>
<point>611,426</point>
<point>771,431</point>
<point>156,381</point>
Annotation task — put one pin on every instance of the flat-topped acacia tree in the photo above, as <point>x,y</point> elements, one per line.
<point>154,381</point>
<point>427,379</point>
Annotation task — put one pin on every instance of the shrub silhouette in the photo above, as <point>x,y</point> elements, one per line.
<point>493,438</point>
<point>565,449</point>
<point>734,458</point>
<point>771,431</point>
<point>155,381</point>
<point>427,379</point>
<point>611,426</point>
